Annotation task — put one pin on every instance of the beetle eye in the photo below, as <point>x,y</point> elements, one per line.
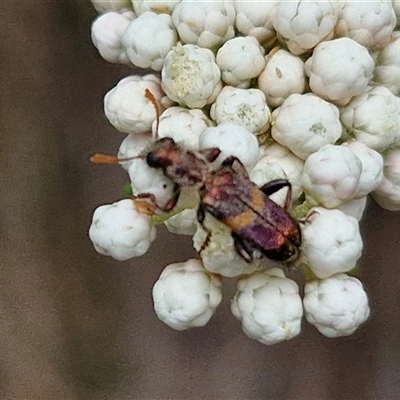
<point>153,160</point>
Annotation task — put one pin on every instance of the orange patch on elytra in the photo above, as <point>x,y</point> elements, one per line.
<point>239,221</point>
<point>257,200</point>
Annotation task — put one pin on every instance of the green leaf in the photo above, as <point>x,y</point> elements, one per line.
<point>127,189</point>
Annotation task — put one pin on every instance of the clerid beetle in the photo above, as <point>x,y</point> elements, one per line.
<point>259,226</point>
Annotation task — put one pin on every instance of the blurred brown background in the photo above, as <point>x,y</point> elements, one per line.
<point>76,325</point>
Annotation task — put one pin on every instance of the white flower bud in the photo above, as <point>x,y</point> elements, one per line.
<point>145,179</point>
<point>387,68</point>
<point>121,231</point>
<point>282,76</point>
<point>355,208</point>
<point>240,60</point>
<point>396,8</point>
<point>339,69</point>
<point>331,175</point>
<point>268,306</point>
<point>190,76</point>
<point>372,167</point>
<point>112,5</point>
<point>266,171</point>
<point>157,6</point>
<point>214,241</point>
<point>183,125</point>
<point>290,163</point>
<point>387,195</point>
<point>245,107</point>
<point>303,24</point>
<point>373,118</point>
<point>336,306</point>
<point>186,295</point>
<point>207,24</point>
<point>369,23</point>
<point>183,223</point>
<point>107,32</point>
<point>232,140</point>
<point>305,123</point>
<point>149,54</point>
<point>331,242</point>
<point>126,106</point>
<point>254,18</point>
<point>133,145</point>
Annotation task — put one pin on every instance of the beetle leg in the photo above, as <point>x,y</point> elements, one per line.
<point>201,215</point>
<point>210,154</point>
<point>236,165</point>
<point>306,219</point>
<point>241,248</point>
<point>275,185</point>
<point>172,202</point>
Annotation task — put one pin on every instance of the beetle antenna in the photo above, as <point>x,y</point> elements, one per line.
<point>153,100</point>
<point>101,158</point>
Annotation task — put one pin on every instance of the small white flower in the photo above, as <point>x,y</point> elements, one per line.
<point>336,306</point>
<point>213,240</point>
<point>112,5</point>
<point>369,23</point>
<point>387,68</point>
<point>107,32</point>
<point>157,6</point>
<point>282,76</point>
<point>254,18</point>
<point>387,195</point>
<point>183,125</point>
<point>232,140</point>
<point>186,295</point>
<point>372,167</point>
<point>149,54</point>
<point>304,123</point>
<point>190,76</point>
<point>268,306</point>
<point>331,242</point>
<point>121,231</point>
<point>339,69</point>
<point>126,106</point>
<point>373,118</point>
<point>331,175</point>
<point>245,107</point>
<point>290,163</point>
<point>303,24</point>
<point>207,24</point>
<point>240,60</point>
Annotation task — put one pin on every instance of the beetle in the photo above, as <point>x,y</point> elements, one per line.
<point>259,226</point>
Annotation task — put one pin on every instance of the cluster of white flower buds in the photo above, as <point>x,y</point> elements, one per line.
<point>306,91</point>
